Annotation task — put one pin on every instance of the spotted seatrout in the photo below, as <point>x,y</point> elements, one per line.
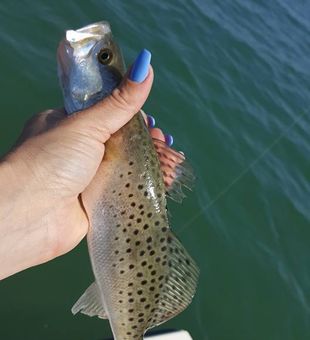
<point>143,274</point>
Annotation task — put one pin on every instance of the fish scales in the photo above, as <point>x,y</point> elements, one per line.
<point>131,256</point>
<point>143,274</point>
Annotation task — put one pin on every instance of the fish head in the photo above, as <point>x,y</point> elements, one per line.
<point>90,65</point>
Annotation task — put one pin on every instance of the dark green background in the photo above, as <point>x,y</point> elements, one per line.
<point>232,86</point>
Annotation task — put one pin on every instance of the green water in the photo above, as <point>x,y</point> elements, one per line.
<point>232,86</point>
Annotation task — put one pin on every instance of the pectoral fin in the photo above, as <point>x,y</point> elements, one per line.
<point>176,171</point>
<point>90,303</point>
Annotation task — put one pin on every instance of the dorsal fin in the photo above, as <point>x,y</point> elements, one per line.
<point>176,171</point>
<point>180,286</point>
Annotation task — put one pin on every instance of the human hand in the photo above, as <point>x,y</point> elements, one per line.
<point>55,161</point>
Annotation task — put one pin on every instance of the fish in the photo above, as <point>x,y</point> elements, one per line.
<point>143,274</point>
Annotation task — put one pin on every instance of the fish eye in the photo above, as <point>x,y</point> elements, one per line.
<point>105,56</point>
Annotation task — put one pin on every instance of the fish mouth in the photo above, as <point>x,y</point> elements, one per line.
<point>96,31</point>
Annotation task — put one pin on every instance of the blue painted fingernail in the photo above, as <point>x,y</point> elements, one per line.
<point>140,68</point>
<point>169,140</point>
<point>150,121</point>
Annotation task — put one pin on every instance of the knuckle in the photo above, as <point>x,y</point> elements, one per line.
<point>121,99</point>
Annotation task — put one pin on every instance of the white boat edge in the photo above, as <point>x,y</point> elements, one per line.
<point>178,335</point>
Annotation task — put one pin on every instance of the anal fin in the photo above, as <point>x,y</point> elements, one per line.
<point>90,303</point>
<point>180,285</point>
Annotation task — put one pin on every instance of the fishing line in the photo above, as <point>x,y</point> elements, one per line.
<point>242,173</point>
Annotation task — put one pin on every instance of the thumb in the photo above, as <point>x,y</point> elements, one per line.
<point>110,114</point>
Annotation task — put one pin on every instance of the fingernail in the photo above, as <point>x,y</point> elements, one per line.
<point>140,67</point>
<point>169,140</point>
<point>150,121</point>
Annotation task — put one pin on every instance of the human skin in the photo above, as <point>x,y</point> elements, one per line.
<point>41,216</point>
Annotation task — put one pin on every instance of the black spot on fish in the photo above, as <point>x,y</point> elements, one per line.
<point>150,266</point>
<point>142,252</point>
<point>130,163</point>
<point>124,230</point>
<point>122,272</point>
<point>131,300</point>
<point>121,259</point>
<point>127,185</point>
<point>118,225</point>
<point>149,214</point>
<point>142,212</point>
<point>128,250</point>
<point>116,238</point>
<point>143,299</point>
<point>144,263</point>
<point>149,239</point>
<point>145,193</point>
<point>136,231</point>
<point>141,320</point>
<point>129,172</point>
<point>132,216</point>
<point>164,229</point>
<point>152,289</point>
<point>128,240</point>
<point>130,195</point>
<point>133,204</point>
<point>144,282</point>
<point>139,292</point>
<point>157,223</point>
<point>139,274</point>
<point>131,266</point>
<point>116,252</point>
<point>161,277</point>
<point>139,220</point>
<point>147,306</point>
<point>140,186</point>
<point>163,248</point>
<point>140,206</point>
<point>119,194</point>
<point>152,252</point>
<point>120,301</point>
<point>157,259</point>
<point>130,310</point>
<point>149,247</point>
<point>146,226</point>
<point>153,272</point>
<point>138,243</point>
<point>130,284</point>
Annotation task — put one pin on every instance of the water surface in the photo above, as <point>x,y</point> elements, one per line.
<point>232,86</point>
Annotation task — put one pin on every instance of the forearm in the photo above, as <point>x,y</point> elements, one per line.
<point>23,238</point>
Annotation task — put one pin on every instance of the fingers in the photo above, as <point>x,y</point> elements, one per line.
<point>157,134</point>
<point>110,114</point>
